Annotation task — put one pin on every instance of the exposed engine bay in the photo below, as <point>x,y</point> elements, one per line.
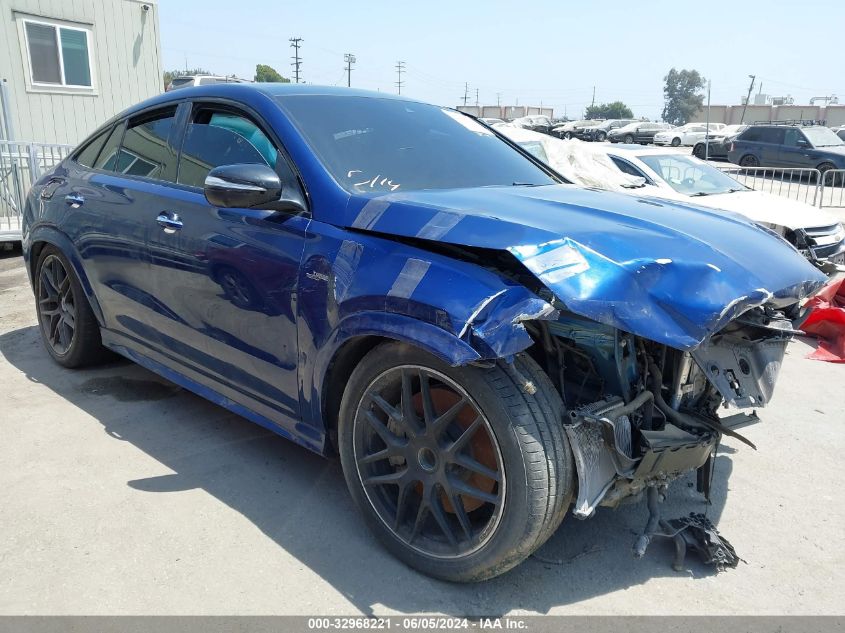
<point>641,413</point>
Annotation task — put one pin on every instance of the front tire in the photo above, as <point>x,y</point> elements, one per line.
<point>69,330</point>
<point>629,139</point>
<point>461,472</point>
<point>698,151</point>
<point>676,142</point>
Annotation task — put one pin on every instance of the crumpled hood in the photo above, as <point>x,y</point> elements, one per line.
<point>673,273</point>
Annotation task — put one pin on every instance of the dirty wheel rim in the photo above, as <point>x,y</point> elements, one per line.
<point>56,305</point>
<point>749,161</point>
<point>429,462</point>
<point>629,139</point>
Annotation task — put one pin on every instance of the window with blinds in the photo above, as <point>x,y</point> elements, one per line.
<point>58,55</point>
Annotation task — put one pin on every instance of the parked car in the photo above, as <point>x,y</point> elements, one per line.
<point>641,132</point>
<point>797,145</point>
<point>817,234</point>
<point>438,295</point>
<point>688,134</point>
<point>491,121</point>
<point>570,129</point>
<point>840,131</point>
<point>599,132</point>
<point>717,145</point>
<point>651,172</point>
<point>187,81</point>
<point>536,122</point>
<point>585,164</point>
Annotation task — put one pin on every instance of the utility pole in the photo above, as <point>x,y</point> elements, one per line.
<point>400,68</point>
<point>349,58</point>
<point>748,98</point>
<point>594,97</point>
<point>295,43</point>
<point>466,92</point>
<point>498,99</point>
<point>476,97</point>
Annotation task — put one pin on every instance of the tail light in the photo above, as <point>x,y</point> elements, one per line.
<point>731,147</point>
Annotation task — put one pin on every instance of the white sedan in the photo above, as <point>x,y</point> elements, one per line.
<point>816,233</point>
<point>688,134</point>
<point>653,173</point>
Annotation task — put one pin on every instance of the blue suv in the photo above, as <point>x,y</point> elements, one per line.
<point>796,145</point>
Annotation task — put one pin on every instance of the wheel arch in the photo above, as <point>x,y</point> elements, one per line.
<point>354,337</point>
<point>44,236</point>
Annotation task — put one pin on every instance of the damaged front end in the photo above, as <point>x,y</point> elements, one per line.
<point>642,413</point>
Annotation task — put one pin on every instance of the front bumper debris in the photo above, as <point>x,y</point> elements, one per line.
<point>694,532</point>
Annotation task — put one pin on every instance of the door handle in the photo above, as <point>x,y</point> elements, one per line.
<point>169,221</point>
<point>50,188</point>
<point>74,200</point>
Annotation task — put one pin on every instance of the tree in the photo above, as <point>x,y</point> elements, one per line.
<point>615,110</point>
<point>682,94</point>
<point>265,73</point>
<point>170,75</point>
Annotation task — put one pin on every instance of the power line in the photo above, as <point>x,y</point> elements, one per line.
<point>400,68</point>
<point>349,58</point>
<point>297,61</point>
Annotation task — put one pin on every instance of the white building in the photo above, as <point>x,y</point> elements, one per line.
<point>69,65</point>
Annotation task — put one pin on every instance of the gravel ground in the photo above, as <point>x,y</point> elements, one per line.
<point>123,494</point>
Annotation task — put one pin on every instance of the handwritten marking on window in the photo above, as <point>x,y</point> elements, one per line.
<point>371,183</point>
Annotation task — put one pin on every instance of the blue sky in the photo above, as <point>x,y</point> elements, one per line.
<point>530,52</point>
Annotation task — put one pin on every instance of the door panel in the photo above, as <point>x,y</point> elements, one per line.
<point>228,276</point>
<point>108,216</point>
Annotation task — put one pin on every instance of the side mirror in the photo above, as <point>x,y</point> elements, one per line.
<point>801,142</point>
<point>244,186</point>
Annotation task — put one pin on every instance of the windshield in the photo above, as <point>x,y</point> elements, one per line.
<point>381,145</point>
<point>689,176</point>
<point>822,136</point>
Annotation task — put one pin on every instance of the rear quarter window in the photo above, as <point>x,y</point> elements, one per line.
<point>88,154</point>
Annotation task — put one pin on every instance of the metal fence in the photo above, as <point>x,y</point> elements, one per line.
<point>832,188</point>
<point>21,164</point>
<point>801,184</point>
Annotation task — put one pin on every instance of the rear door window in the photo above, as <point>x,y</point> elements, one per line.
<point>146,150</point>
<point>772,135</point>
<point>215,138</point>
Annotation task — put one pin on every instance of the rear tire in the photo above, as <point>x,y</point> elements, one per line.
<point>749,160</point>
<point>69,329</point>
<point>527,466</point>
<point>833,181</point>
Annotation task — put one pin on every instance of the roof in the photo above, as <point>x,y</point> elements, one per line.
<point>243,91</point>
